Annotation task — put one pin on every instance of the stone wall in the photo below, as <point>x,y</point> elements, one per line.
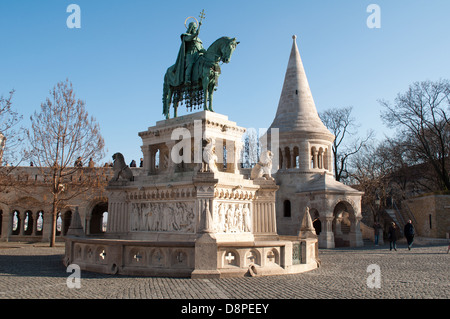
<point>26,202</point>
<point>432,215</point>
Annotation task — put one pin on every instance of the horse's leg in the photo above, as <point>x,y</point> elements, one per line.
<point>168,100</point>
<point>205,92</point>
<point>211,91</point>
<point>166,92</point>
<point>175,109</point>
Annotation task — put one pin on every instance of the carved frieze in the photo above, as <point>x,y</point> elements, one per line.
<point>232,218</point>
<point>163,217</point>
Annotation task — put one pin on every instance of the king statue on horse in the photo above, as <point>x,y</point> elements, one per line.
<point>194,76</point>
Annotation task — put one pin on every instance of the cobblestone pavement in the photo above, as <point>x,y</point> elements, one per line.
<point>36,271</point>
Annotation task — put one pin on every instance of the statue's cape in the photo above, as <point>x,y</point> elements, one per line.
<point>179,66</point>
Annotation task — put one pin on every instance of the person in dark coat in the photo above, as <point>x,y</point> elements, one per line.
<point>409,232</point>
<point>392,234</point>
<point>376,229</point>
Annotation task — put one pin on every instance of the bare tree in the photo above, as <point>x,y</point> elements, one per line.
<point>251,149</point>
<point>370,172</point>
<point>62,135</point>
<point>420,115</point>
<point>11,136</point>
<point>340,122</point>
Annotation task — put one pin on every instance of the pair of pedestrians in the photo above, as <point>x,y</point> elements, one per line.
<point>408,231</point>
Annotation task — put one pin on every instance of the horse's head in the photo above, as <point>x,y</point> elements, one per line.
<point>228,48</point>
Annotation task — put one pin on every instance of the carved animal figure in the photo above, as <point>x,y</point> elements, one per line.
<point>262,170</point>
<point>121,170</point>
<point>209,156</point>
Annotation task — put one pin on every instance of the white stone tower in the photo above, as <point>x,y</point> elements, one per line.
<point>305,170</point>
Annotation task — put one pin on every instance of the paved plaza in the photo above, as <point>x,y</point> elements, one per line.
<point>36,271</point>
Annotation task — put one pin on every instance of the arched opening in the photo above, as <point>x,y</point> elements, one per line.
<point>320,158</point>
<point>287,208</point>
<point>280,159</point>
<point>39,223</point>
<point>15,223</point>
<point>104,221</point>
<point>58,224</point>
<point>313,157</point>
<point>344,217</point>
<point>296,157</point>
<point>97,219</point>
<point>317,224</point>
<point>28,223</point>
<point>288,157</point>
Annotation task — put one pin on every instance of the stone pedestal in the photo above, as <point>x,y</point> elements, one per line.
<point>190,212</point>
<point>206,261</point>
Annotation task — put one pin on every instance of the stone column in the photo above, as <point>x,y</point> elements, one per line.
<point>21,223</point>
<point>35,216</point>
<point>330,158</point>
<point>237,156</point>
<point>118,216</point>
<point>326,237</point>
<point>147,157</point>
<point>304,153</point>
<point>206,261</point>
<point>355,235</point>
<point>6,226</point>
<point>264,214</point>
<point>171,164</point>
<point>293,161</point>
<point>315,158</point>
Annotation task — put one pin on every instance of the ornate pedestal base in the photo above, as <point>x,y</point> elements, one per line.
<point>186,215</point>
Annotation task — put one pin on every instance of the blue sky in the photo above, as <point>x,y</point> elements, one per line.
<point>117,59</point>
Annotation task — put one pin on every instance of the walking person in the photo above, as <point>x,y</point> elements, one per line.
<point>409,232</point>
<point>376,229</point>
<point>392,233</point>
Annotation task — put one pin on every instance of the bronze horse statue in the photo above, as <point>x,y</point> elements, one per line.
<point>205,74</point>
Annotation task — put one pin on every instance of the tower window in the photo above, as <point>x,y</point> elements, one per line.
<point>287,208</point>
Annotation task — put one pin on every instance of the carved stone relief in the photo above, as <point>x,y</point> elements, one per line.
<point>163,216</point>
<point>232,218</point>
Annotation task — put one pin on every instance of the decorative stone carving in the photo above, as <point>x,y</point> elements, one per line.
<point>121,170</point>
<point>307,229</point>
<point>232,218</point>
<point>209,156</point>
<point>262,170</point>
<point>163,216</point>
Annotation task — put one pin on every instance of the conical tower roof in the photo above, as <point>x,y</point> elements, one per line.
<point>296,109</point>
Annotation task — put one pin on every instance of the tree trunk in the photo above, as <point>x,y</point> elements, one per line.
<point>54,217</point>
